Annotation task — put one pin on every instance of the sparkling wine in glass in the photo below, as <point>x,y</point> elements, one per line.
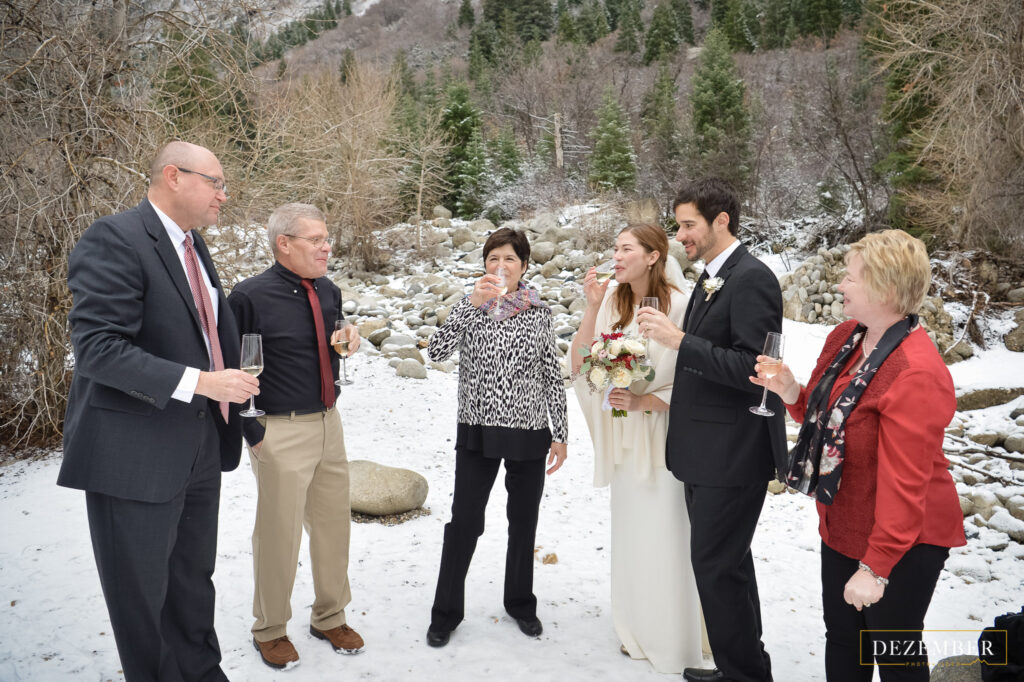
<point>649,302</point>
<point>604,271</point>
<point>341,348</point>
<point>502,274</point>
<point>773,349</point>
<point>252,363</point>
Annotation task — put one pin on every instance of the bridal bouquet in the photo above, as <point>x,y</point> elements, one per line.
<point>615,361</point>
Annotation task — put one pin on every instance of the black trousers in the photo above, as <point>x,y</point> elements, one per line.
<point>722,524</point>
<point>849,646</point>
<point>155,563</point>
<point>474,477</point>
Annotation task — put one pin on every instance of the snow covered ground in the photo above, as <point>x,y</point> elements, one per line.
<point>54,624</point>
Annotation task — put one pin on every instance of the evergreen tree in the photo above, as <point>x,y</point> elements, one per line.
<point>535,19</point>
<point>478,64</point>
<point>346,7</point>
<point>613,161</point>
<point>703,4</point>
<point>684,20</point>
<point>505,156</point>
<point>821,17</point>
<point>719,8</point>
<point>466,15</point>
<point>403,74</point>
<point>592,23</point>
<point>461,121</point>
<point>628,40</point>
<point>663,35</point>
<point>471,178</point>
<point>660,122</point>
<point>613,10</point>
<point>742,26</point>
<point>775,21</point>
<point>721,122</point>
<point>348,64</point>
<point>565,29</point>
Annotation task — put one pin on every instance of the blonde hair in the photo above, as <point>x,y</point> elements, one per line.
<point>895,268</point>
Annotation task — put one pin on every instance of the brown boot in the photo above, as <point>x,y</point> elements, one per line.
<point>344,639</point>
<point>277,653</point>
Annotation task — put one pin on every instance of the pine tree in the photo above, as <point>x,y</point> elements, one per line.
<point>721,122</point>
<point>821,18</point>
<point>461,121</point>
<point>742,26</point>
<point>628,40</point>
<point>592,22</point>
<point>471,178</point>
<point>663,35</point>
<point>535,19</point>
<point>719,8</point>
<point>478,64</point>
<point>660,122</point>
<point>505,156</point>
<point>613,10</point>
<point>684,20</point>
<point>466,15</point>
<point>565,30</point>
<point>346,7</point>
<point>613,161</point>
<point>703,4</point>
<point>774,23</point>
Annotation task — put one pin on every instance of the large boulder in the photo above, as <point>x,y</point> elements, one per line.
<point>442,212</point>
<point>461,235</point>
<point>483,226</point>
<point>381,490</point>
<point>986,397</point>
<point>411,369</point>
<point>965,668</point>
<point>542,252</point>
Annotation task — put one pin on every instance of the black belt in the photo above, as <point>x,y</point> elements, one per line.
<point>297,413</point>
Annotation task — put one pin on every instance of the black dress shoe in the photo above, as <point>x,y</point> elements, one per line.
<point>438,638</point>
<point>703,675</point>
<point>531,627</point>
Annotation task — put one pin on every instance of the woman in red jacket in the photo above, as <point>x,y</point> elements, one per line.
<point>870,453</point>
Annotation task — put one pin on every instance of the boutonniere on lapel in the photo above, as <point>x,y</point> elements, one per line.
<point>711,285</point>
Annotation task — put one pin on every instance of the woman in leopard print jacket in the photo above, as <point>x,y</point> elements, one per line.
<point>510,385</point>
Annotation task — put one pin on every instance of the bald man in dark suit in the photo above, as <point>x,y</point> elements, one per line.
<point>148,428</point>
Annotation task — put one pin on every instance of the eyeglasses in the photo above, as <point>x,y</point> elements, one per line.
<point>317,242</point>
<point>218,184</point>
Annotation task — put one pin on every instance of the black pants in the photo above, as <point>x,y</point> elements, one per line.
<point>849,645</point>
<point>156,563</point>
<point>722,524</point>
<point>474,477</point>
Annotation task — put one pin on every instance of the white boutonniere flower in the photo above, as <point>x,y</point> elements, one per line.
<point>711,285</point>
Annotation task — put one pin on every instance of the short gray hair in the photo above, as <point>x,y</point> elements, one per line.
<point>283,220</point>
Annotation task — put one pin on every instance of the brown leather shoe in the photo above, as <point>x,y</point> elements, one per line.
<point>277,653</point>
<point>344,639</point>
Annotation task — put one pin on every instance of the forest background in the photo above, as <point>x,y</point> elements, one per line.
<point>865,113</point>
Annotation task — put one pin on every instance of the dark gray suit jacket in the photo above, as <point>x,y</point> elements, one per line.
<point>135,329</point>
<point>713,438</point>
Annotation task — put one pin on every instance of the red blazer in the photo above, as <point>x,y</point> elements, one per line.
<point>896,491</point>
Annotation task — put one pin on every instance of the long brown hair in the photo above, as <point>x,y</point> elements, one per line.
<point>651,238</point>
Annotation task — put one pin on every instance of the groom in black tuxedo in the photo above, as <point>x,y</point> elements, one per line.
<point>722,452</point>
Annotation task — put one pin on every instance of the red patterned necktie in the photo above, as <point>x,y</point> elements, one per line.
<point>326,376</point>
<point>201,296</point>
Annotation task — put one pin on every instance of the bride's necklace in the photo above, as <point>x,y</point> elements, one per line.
<point>864,347</point>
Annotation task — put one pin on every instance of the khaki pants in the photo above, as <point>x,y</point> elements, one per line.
<point>302,480</point>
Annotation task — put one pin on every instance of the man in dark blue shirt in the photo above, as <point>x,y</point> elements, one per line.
<point>298,450</point>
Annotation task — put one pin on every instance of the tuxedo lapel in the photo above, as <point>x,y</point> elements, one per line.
<point>701,307</point>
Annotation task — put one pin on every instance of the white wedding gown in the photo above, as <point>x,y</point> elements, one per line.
<point>655,605</point>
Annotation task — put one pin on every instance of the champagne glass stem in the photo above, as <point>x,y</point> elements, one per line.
<point>764,397</point>
<point>252,403</point>
<point>344,368</point>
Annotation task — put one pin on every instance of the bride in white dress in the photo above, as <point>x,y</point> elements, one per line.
<point>655,605</point>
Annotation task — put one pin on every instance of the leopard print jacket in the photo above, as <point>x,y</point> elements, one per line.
<point>508,370</point>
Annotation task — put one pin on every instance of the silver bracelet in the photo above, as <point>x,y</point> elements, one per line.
<point>878,579</point>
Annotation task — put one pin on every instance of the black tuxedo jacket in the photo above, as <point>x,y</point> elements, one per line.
<point>713,438</point>
<point>135,329</point>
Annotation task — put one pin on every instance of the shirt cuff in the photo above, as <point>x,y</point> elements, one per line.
<point>186,389</point>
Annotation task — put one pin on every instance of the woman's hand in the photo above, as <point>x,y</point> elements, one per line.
<point>592,290</point>
<point>655,325</point>
<point>862,590</point>
<point>484,290</point>
<point>783,383</point>
<point>556,457</point>
<point>624,399</point>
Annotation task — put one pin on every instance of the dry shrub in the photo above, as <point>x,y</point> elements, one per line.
<point>966,58</point>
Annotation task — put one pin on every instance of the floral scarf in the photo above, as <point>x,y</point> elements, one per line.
<point>816,461</point>
<point>513,303</point>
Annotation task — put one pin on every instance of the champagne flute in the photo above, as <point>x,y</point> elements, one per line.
<point>773,349</point>
<point>252,363</point>
<point>341,348</point>
<point>502,274</point>
<point>649,302</point>
<point>604,271</point>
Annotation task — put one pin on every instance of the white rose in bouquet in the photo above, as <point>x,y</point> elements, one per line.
<point>621,377</point>
<point>635,347</point>
<point>615,348</point>
<point>596,347</point>
<point>599,376</point>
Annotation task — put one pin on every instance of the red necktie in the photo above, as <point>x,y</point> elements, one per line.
<point>201,296</point>
<point>326,376</point>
